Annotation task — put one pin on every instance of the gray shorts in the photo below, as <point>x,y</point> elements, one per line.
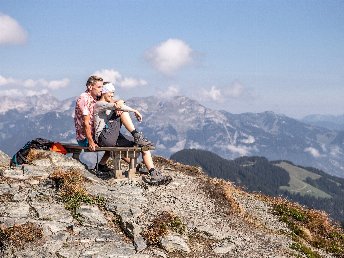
<point>111,136</point>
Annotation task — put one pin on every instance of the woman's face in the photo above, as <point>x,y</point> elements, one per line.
<point>108,96</point>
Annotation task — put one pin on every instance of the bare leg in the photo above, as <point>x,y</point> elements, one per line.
<point>147,159</point>
<point>127,122</point>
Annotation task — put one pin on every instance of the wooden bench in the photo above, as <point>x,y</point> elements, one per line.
<point>116,153</point>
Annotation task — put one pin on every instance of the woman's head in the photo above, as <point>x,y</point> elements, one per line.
<point>108,91</point>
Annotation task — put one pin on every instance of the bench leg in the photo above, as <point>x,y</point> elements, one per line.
<point>118,172</point>
<point>132,167</point>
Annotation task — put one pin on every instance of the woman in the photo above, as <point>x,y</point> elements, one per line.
<point>109,115</point>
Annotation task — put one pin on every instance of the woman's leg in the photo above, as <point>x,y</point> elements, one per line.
<point>147,159</point>
<point>127,122</point>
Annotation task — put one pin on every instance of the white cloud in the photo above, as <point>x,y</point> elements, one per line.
<point>109,75</point>
<point>249,140</point>
<point>58,84</point>
<point>170,92</point>
<point>116,77</point>
<point>10,31</point>
<point>314,152</point>
<point>213,94</point>
<point>30,87</point>
<point>170,55</point>
<point>11,92</point>
<point>241,150</point>
<point>132,83</point>
<point>6,81</point>
<point>31,93</point>
<point>235,90</point>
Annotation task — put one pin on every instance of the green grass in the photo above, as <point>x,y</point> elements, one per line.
<point>297,182</point>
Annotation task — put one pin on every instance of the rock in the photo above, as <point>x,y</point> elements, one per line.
<point>91,215</point>
<point>4,159</point>
<point>174,242</point>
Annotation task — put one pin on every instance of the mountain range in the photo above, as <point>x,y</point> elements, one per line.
<point>178,123</point>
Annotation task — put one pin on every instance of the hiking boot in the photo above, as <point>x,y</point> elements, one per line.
<point>156,178</point>
<point>103,168</point>
<point>140,140</point>
<point>142,169</point>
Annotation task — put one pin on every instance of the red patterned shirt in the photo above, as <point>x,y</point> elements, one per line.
<point>84,106</point>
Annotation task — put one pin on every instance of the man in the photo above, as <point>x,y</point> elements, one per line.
<point>107,123</point>
<point>84,120</point>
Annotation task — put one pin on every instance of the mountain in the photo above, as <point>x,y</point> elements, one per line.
<point>308,186</point>
<point>328,121</point>
<point>55,208</point>
<point>179,122</point>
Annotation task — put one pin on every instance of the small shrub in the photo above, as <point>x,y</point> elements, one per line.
<point>19,235</point>
<point>35,154</point>
<point>71,184</point>
<point>160,226</point>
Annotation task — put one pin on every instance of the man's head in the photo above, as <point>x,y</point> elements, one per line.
<point>108,91</point>
<point>94,85</point>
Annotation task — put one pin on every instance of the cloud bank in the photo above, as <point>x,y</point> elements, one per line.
<point>29,87</point>
<point>116,77</point>
<point>169,56</point>
<point>10,31</point>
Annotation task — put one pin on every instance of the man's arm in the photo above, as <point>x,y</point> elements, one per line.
<point>88,130</point>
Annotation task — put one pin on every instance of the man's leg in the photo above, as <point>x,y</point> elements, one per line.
<point>105,157</point>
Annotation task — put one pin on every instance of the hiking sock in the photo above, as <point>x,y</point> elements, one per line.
<point>134,132</point>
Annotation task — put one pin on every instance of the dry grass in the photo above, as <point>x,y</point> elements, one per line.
<point>312,226</point>
<point>35,154</point>
<point>161,225</point>
<point>221,192</point>
<point>19,235</point>
<point>161,162</point>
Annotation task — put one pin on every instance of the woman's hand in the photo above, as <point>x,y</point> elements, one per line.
<point>138,115</point>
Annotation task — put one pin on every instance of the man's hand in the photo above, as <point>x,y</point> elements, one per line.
<point>138,115</point>
<point>92,146</point>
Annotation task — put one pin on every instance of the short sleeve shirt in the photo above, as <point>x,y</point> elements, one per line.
<point>84,106</point>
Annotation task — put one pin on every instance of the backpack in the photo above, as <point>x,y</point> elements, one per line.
<point>20,157</point>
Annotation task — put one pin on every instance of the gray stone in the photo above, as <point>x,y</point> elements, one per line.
<point>4,159</point>
<point>174,242</point>
<point>15,210</point>
<point>91,215</point>
<point>53,212</point>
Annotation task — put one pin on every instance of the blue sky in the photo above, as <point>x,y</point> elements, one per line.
<point>240,56</point>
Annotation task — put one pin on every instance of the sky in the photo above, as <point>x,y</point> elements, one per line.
<point>242,56</point>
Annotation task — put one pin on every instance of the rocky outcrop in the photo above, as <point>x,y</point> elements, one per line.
<point>193,216</point>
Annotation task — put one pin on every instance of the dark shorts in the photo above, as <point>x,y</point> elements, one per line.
<point>111,136</point>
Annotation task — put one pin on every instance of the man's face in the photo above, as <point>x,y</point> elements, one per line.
<point>96,89</point>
